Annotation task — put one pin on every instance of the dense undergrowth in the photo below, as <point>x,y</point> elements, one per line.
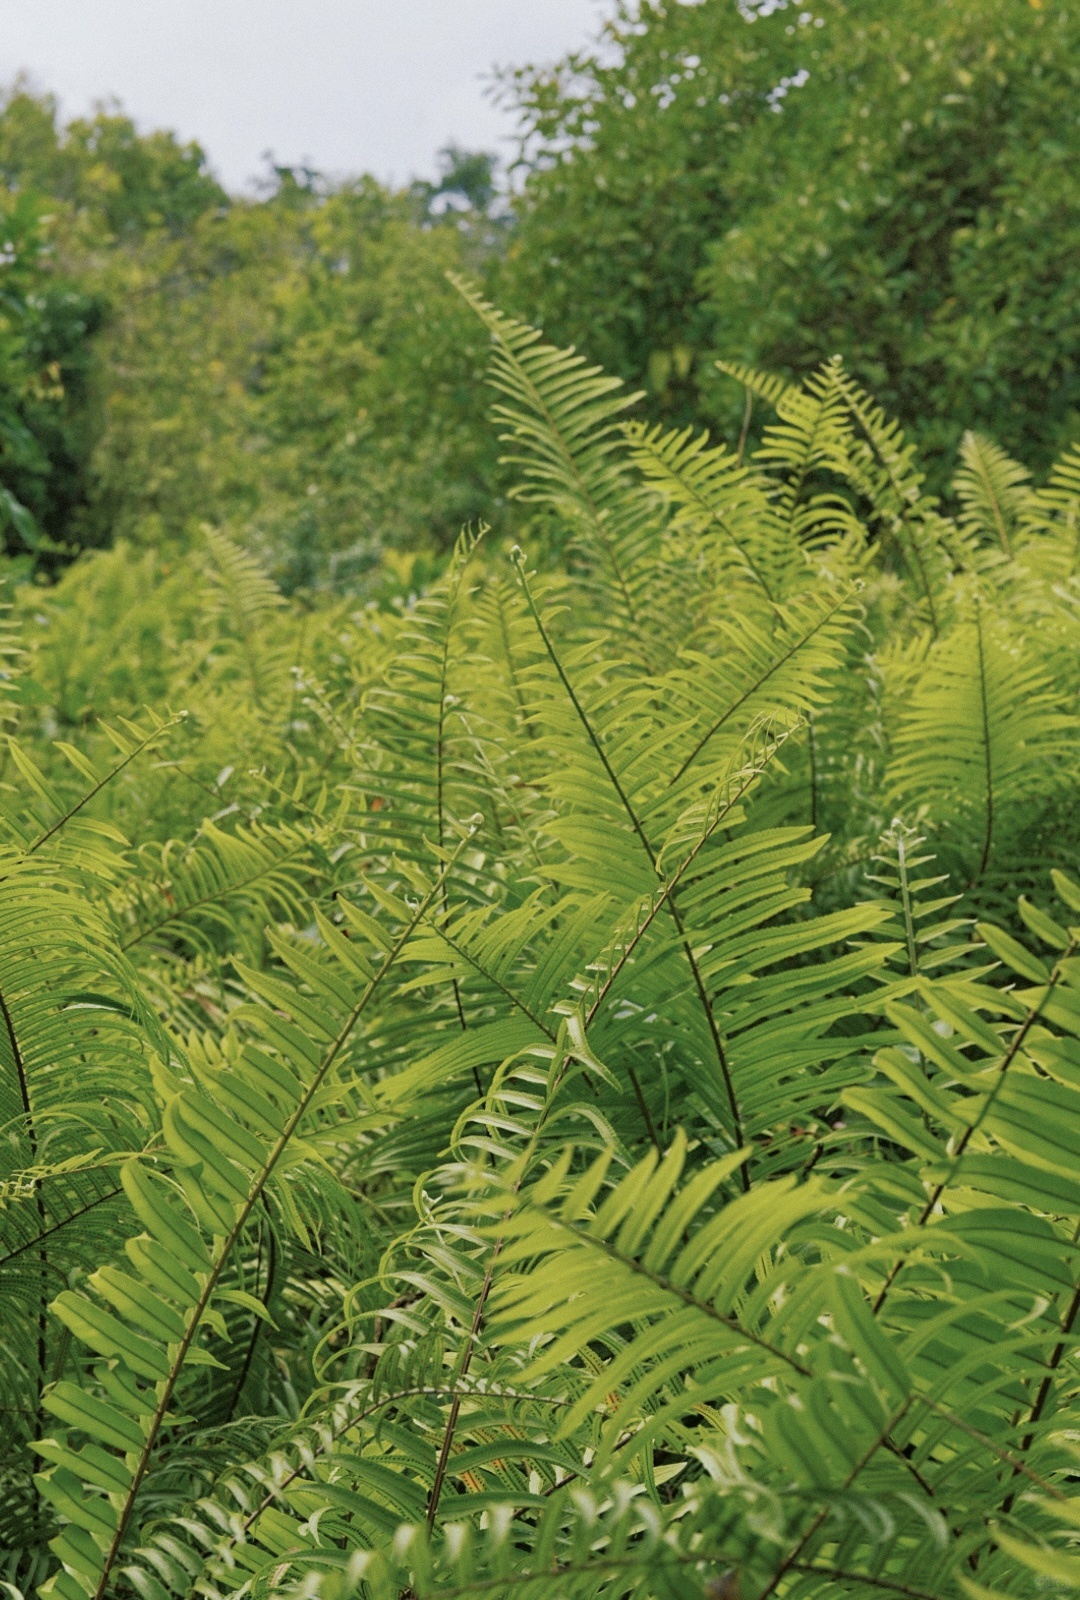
<point>569,1085</point>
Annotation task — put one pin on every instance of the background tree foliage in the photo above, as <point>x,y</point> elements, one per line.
<point>295,369</point>
<point>765,183</point>
<point>779,184</point>
<point>298,372</point>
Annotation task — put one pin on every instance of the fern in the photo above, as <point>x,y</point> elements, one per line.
<point>469,1128</point>
<point>990,487</point>
<point>1009,736</point>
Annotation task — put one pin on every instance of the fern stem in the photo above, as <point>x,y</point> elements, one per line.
<point>271,1274</point>
<point>102,783</point>
<point>790,1561</point>
<point>905,901</point>
<point>20,1071</point>
<point>748,412</point>
<point>583,718</point>
<point>440,744</point>
<point>353,1418</point>
<point>860,1579</point>
<point>490,977</point>
<point>464,1363</point>
<point>504,632</point>
<point>987,753</point>
<point>987,481</point>
<point>66,1222</point>
<point>794,486</point>
<point>998,1450</point>
<point>327,1442</point>
<point>42,1350</point>
<point>1047,1383</point>
<point>646,1116</point>
<point>712,514</point>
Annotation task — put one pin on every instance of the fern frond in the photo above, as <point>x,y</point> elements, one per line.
<point>228,1132</point>
<point>53,823</point>
<point>883,466</point>
<point>243,601</point>
<point>983,733</point>
<point>991,490</point>
<point>563,422</point>
<point>714,493</point>
<point>912,901</point>
<point>240,591</point>
<point>188,893</point>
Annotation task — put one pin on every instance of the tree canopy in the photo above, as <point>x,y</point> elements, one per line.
<point>778,184</point>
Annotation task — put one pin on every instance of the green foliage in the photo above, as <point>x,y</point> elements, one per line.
<point>69,197</point>
<point>298,373</point>
<point>779,183</point>
<point>112,181</point>
<point>568,1085</point>
<point>44,324</point>
<point>294,370</point>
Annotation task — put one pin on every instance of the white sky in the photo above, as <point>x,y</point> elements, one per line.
<point>348,85</point>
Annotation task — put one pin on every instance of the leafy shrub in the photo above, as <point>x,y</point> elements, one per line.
<point>547,1088</point>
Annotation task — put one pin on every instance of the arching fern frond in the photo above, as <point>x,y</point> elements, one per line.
<point>229,1134</point>
<point>564,426</point>
<point>55,823</point>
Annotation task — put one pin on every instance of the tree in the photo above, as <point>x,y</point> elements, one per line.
<point>111,181</point>
<point>45,323</point>
<point>298,371</point>
<point>295,368</point>
<point>776,184</point>
<point>72,196</point>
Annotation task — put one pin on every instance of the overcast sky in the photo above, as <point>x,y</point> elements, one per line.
<point>347,85</point>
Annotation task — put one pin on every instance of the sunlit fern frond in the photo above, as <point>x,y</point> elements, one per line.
<point>882,466</point>
<point>564,422</point>
<point>243,603</point>
<point>726,505</point>
<point>12,658</point>
<point>240,591</point>
<point>802,454</point>
<point>234,1122</point>
<point>985,733</point>
<point>54,816</point>
<point>991,490</point>
<point>922,946</point>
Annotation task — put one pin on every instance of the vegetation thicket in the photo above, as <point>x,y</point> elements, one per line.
<point>294,369</point>
<point>550,1089</point>
<point>550,1069</point>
